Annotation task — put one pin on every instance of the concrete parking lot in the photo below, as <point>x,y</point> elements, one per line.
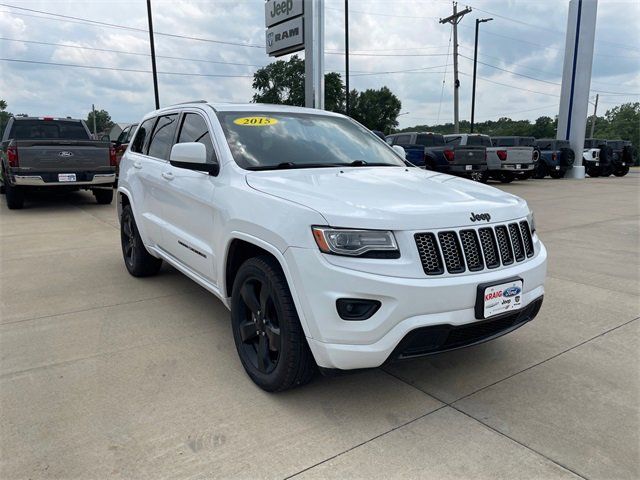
<point>104,375</point>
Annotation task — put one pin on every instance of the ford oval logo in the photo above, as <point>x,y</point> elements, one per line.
<point>511,292</point>
<point>65,154</point>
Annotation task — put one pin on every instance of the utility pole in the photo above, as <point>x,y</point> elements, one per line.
<point>346,52</point>
<point>95,133</point>
<point>454,20</point>
<point>153,55</point>
<point>475,68</point>
<point>593,119</point>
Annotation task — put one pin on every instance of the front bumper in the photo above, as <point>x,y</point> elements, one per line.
<point>408,304</point>
<point>51,180</point>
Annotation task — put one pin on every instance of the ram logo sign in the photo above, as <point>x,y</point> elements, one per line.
<point>285,26</point>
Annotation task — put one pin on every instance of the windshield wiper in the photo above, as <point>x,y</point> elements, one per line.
<point>289,165</point>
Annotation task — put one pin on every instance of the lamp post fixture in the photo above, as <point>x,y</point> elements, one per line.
<point>475,68</point>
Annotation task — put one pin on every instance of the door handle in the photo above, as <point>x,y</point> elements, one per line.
<point>167,176</point>
<point>137,164</point>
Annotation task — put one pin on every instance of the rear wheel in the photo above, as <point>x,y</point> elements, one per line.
<point>15,196</point>
<point>103,196</point>
<point>593,171</point>
<point>482,177</point>
<point>506,177</point>
<point>138,261</point>
<point>266,328</point>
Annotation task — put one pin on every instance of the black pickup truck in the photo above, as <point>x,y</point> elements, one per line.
<point>430,151</point>
<point>54,153</point>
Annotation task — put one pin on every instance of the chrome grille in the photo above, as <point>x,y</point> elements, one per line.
<point>429,253</point>
<point>451,252</point>
<point>474,249</point>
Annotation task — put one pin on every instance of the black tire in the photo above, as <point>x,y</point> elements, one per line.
<point>567,157</point>
<point>266,328</point>
<point>482,177</point>
<point>506,177</point>
<point>541,170</point>
<point>621,171</point>
<point>15,197</point>
<point>593,172</point>
<point>103,196</point>
<point>138,261</point>
<point>557,173</point>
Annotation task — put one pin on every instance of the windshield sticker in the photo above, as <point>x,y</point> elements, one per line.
<point>255,121</point>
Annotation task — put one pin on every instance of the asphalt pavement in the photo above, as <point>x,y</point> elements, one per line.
<point>103,375</point>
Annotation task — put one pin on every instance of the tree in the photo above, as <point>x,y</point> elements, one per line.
<point>4,115</point>
<point>103,121</point>
<point>376,109</point>
<point>545,127</point>
<point>282,83</point>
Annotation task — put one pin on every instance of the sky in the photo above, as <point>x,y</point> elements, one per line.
<point>521,51</point>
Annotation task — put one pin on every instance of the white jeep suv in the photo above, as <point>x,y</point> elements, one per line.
<point>327,247</point>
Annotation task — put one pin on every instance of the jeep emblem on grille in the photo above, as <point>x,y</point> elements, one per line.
<point>476,217</point>
<point>65,153</point>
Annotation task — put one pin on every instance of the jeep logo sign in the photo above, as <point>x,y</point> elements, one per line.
<point>286,37</point>
<point>277,11</point>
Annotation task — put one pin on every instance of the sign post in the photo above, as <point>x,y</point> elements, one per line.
<point>294,25</point>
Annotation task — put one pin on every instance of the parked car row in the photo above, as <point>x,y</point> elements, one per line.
<point>508,158</point>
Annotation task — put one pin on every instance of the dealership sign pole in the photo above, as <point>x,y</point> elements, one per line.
<point>294,25</point>
<point>576,79</point>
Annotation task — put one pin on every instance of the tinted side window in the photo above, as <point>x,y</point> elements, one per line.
<point>143,134</point>
<point>123,135</point>
<point>479,140</point>
<point>544,144</point>
<point>429,140</point>
<point>130,133</point>
<point>194,129</point>
<point>400,139</point>
<point>162,137</point>
<point>504,142</point>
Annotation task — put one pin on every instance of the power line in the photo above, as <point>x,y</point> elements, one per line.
<point>511,86</point>
<point>382,14</point>
<point>73,19</point>
<point>389,54</point>
<point>512,72</point>
<point>107,50</point>
<point>132,70</point>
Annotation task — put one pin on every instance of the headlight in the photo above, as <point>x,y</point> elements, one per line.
<point>532,222</point>
<point>356,243</point>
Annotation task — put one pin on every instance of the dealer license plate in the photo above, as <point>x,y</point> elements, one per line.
<point>468,167</point>
<point>66,177</point>
<point>502,298</point>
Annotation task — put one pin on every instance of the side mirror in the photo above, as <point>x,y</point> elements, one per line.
<point>192,156</point>
<point>400,151</point>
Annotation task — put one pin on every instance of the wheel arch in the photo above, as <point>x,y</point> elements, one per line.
<point>240,248</point>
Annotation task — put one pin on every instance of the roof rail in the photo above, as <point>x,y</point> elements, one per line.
<point>192,101</point>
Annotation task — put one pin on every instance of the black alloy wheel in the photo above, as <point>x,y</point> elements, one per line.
<point>138,261</point>
<point>266,329</point>
<point>260,327</point>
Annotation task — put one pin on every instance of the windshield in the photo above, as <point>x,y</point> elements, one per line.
<point>48,130</point>
<point>266,140</point>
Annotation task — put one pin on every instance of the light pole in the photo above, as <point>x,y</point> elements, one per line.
<point>475,68</point>
<point>346,53</point>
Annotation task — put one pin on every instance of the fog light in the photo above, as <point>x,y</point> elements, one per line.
<point>356,308</point>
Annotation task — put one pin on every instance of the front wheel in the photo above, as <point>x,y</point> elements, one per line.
<point>621,171</point>
<point>541,170</point>
<point>138,261</point>
<point>266,328</point>
<point>593,172</point>
<point>557,174</point>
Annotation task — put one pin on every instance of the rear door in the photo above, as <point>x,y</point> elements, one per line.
<point>187,202</point>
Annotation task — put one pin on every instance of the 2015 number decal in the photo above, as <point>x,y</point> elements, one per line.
<point>255,121</point>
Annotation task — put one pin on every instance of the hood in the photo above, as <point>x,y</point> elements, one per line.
<point>394,198</point>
